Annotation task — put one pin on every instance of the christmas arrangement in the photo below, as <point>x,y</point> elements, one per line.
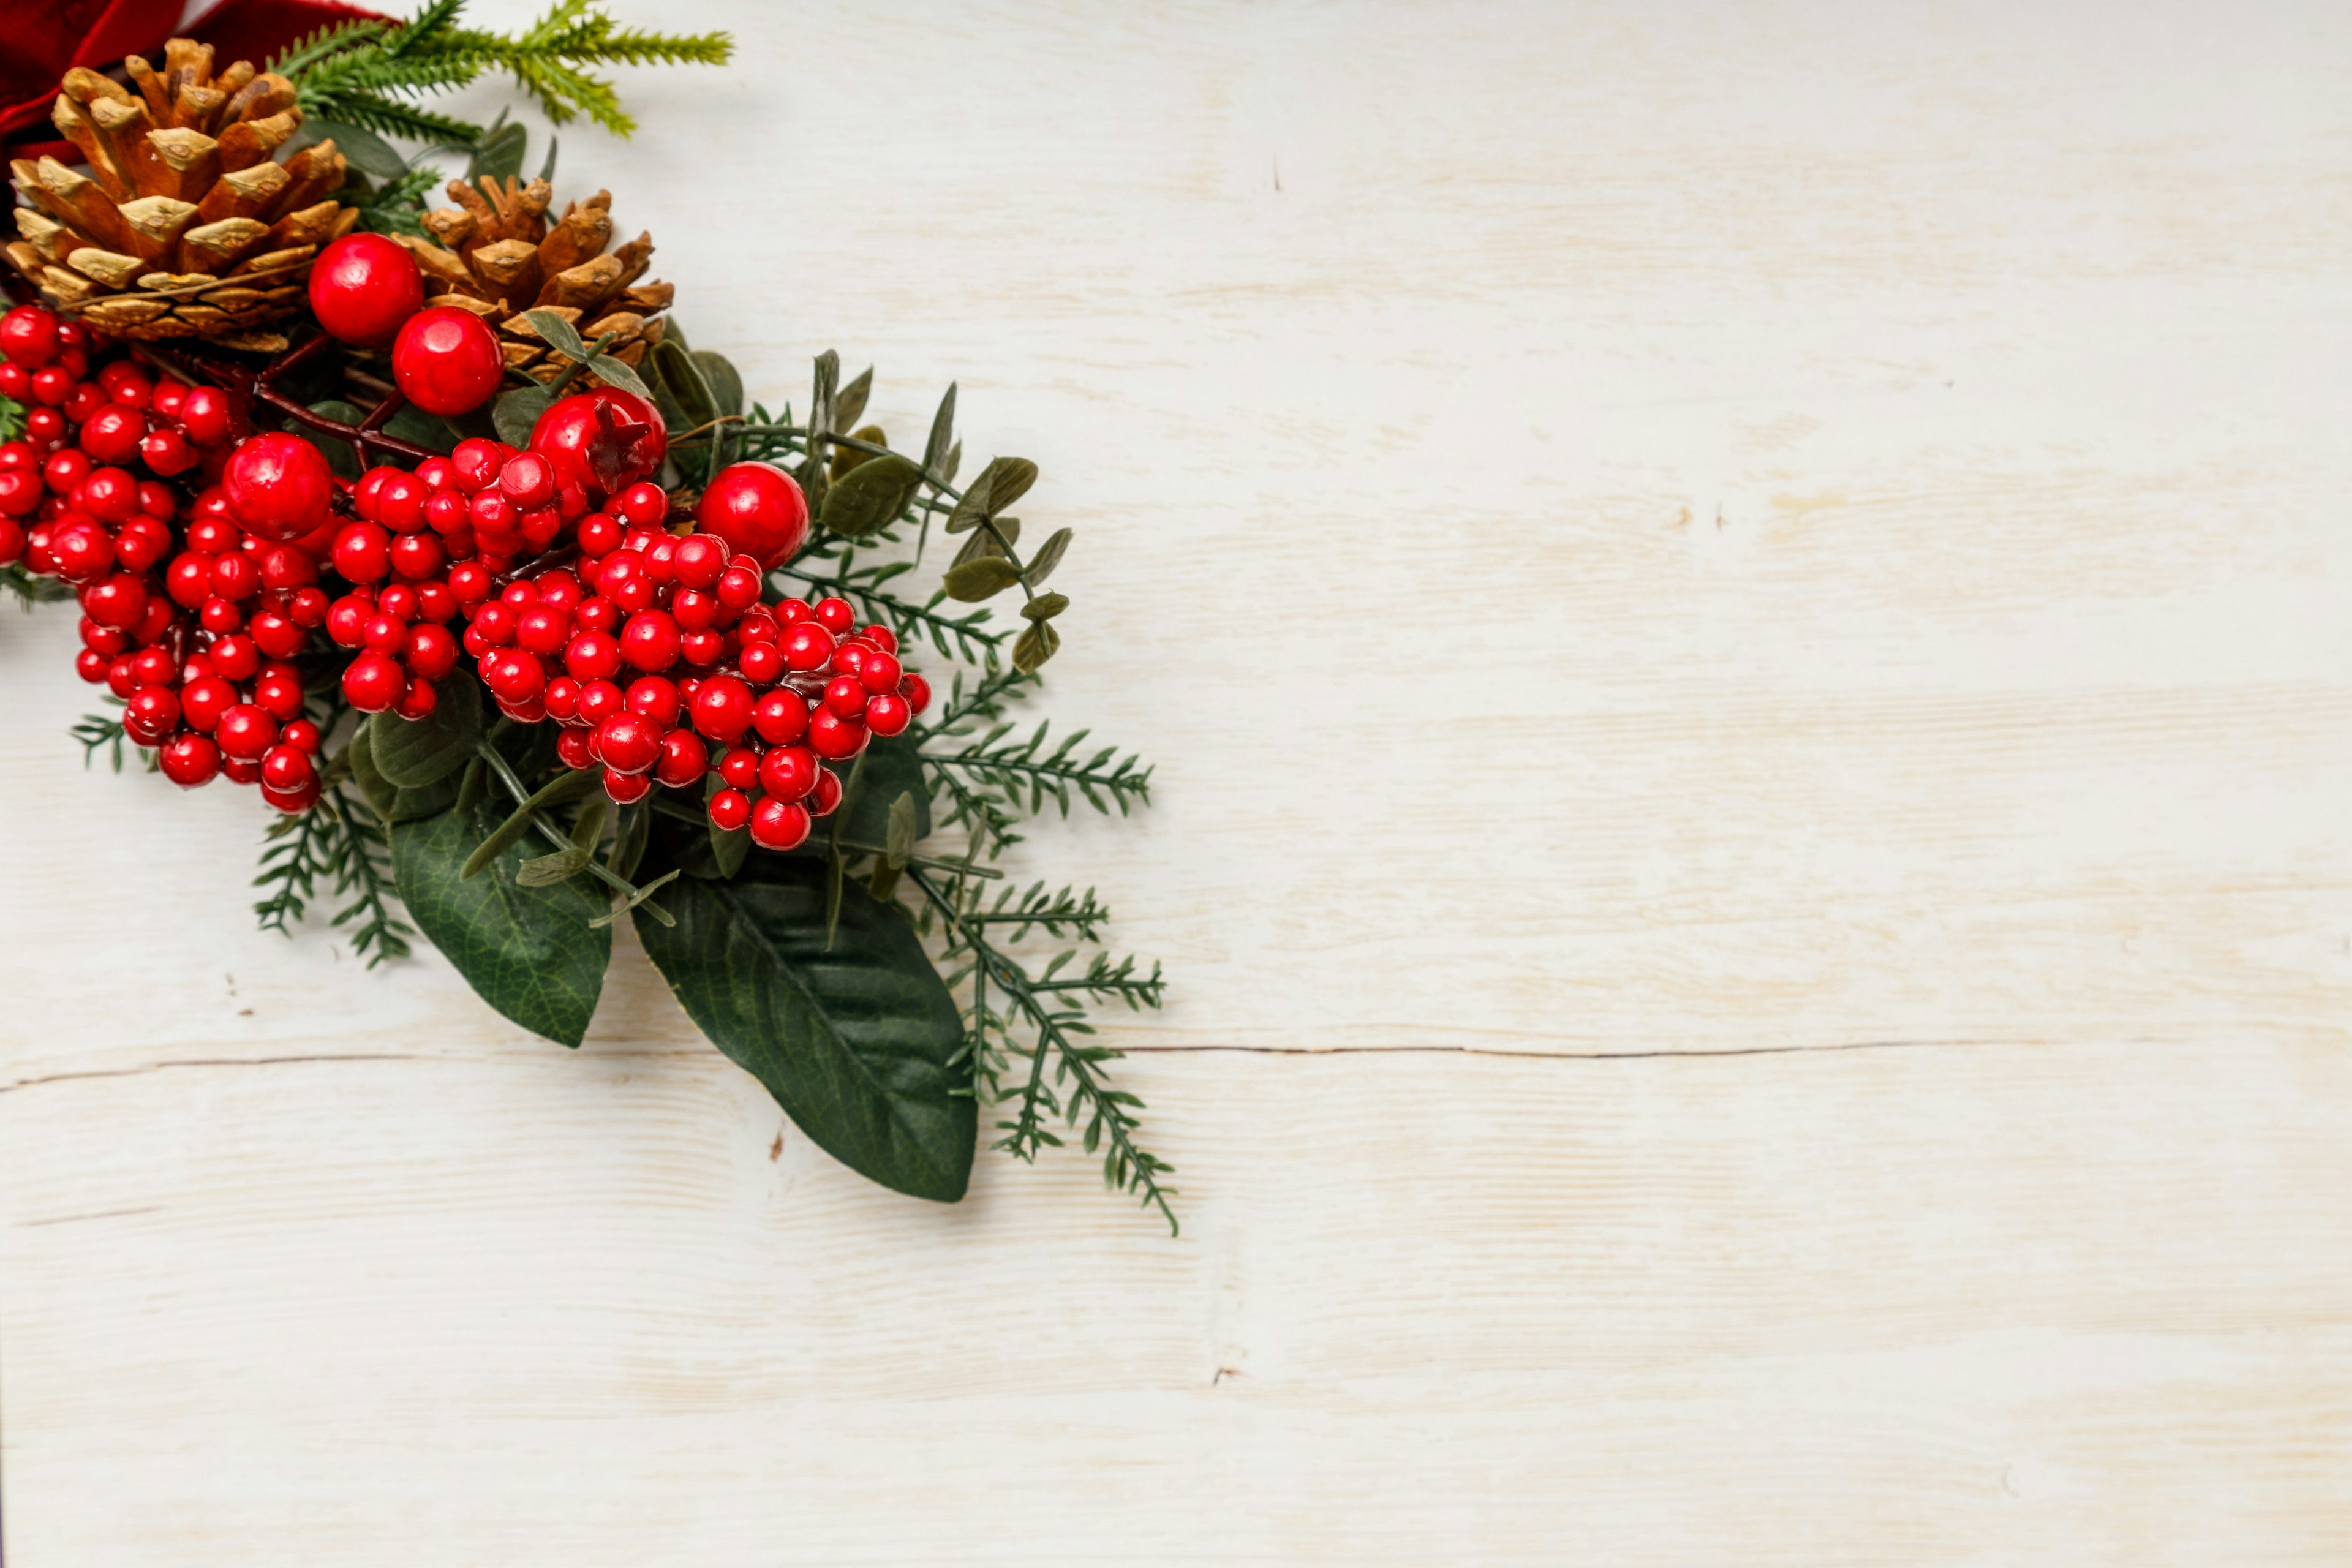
<point>426,523</point>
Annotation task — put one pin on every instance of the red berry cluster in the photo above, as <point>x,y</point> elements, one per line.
<point>199,648</point>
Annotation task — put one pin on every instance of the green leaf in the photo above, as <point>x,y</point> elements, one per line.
<point>726,382</point>
<point>1049,556</point>
<point>568,786</point>
<point>629,839</point>
<point>392,803</point>
<point>900,842</point>
<point>363,149</point>
<point>974,504</point>
<point>549,870</point>
<point>561,335</point>
<point>1044,606</point>
<point>989,541</point>
<point>615,374</point>
<point>517,411</point>
<point>419,428</point>
<point>850,401</point>
<point>499,153</point>
<point>998,486</point>
<point>532,954</point>
<point>870,496</point>
<point>673,367</point>
<point>547,168</point>
<point>983,577</point>
<point>1034,646</point>
<point>888,769</point>
<point>413,753</point>
<point>859,1044</point>
<point>935,450</point>
<point>727,848</point>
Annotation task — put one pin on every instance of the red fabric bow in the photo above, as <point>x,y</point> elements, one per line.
<point>48,37</point>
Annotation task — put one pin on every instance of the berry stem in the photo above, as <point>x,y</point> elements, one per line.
<point>562,840</point>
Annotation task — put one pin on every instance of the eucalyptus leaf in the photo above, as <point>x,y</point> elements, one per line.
<point>616,373</point>
<point>566,786</point>
<point>935,450</point>
<point>1034,646</point>
<point>673,367</point>
<point>898,841</point>
<point>1049,556</point>
<point>549,870</point>
<point>1046,606</point>
<point>850,402</point>
<point>517,411</point>
<point>718,373</point>
<point>499,153</point>
<point>532,954</point>
<point>859,1044</point>
<point>978,579</point>
<point>955,461</point>
<point>561,335</point>
<point>363,149</point>
<point>886,770</point>
<point>973,506</point>
<point>413,752</point>
<point>870,496</point>
<point>1009,480</point>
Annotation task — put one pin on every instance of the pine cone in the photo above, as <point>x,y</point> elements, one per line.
<point>498,255</point>
<point>184,225</point>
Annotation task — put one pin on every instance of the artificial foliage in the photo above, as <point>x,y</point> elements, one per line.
<point>736,674</point>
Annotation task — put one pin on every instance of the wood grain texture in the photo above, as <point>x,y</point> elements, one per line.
<point>1741,610</point>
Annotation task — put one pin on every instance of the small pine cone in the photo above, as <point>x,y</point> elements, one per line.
<point>496,254</point>
<point>185,226</point>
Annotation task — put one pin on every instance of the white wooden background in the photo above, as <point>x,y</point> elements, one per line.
<point>1741,609</point>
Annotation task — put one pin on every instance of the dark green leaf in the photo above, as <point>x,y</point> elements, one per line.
<point>935,451</point>
<point>531,954</point>
<point>413,753</point>
<point>1006,480</point>
<point>517,411</point>
<point>989,541</point>
<point>547,168</point>
<point>363,149</point>
<point>613,373</point>
<point>857,1044</point>
<point>499,153</point>
<point>888,769</point>
<point>568,786</point>
<point>1046,606</point>
<point>899,841</point>
<point>629,839</point>
<point>979,579</point>
<point>870,496</point>
<point>392,803</point>
<point>474,785</point>
<point>561,335</point>
<point>726,382</point>
<point>673,368</point>
<point>974,504</point>
<point>418,428</point>
<point>1049,556</point>
<point>850,401</point>
<point>728,849</point>
<point>1034,646</point>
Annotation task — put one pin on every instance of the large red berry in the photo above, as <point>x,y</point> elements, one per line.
<point>373,682</point>
<point>447,360</point>
<point>650,640</point>
<point>190,759</point>
<point>779,823</point>
<point>210,416</point>
<point>602,441</point>
<point>277,486</point>
<point>245,731</point>
<point>758,508</point>
<point>723,709</point>
<point>780,717</point>
<point>683,759</point>
<point>363,287</point>
<point>834,738</point>
<point>887,713</point>
<point>627,743</point>
<point>28,337</point>
<point>788,773</point>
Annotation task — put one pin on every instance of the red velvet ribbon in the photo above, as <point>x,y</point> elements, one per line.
<point>48,37</point>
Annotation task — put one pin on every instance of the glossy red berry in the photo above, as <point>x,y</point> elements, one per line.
<point>917,691</point>
<point>599,701</point>
<point>422,697</point>
<point>731,809</point>
<point>845,696</point>
<point>515,676</point>
<point>807,646</point>
<point>628,743</point>
<point>363,287</point>
<point>782,718</point>
<point>788,773</point>
<point>189,760</point>
<point>28,337</point>
<point>779,823</point>
<point>758,509</point>
<point>738,766</point>
<point>683,759</point>
<point>723,709</point>
<point>286,768</point>
<point>835,616</point>
<point>650,640</point>
<point>834,738</point>
<point>827,795</point>
<point>277,486</point>
<point>373,682</point>
<point>887,714</point>
<point>363,553</point>
<point>211,416</point>
<point>117,601</point>
<point>656,698</point>
<point>446,360</point>
<point>245,731</point>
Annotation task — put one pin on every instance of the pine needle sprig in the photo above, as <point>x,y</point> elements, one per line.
<point>368,73</point>
<point>1074,1093</point>
<point>1013,768</point>
<point>338,842</point>
<point>96,732</point>
<point>31,590</point>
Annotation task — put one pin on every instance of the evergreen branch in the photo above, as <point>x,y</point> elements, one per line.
<point>1059,915</point>
<point>334,840</point>
<point>1077,1090</point>
<point>305,52</point>
<point>389,117</point>
<point>95,731</point>
<point>30,589</point>
<point>1106,780</point>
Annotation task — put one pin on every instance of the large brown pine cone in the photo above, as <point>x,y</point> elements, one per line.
<point>185,226</point>
<point>496,254</point>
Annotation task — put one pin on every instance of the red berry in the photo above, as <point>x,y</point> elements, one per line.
<point>887,713</point>
<point>655,698</point>
<point>845,696</point>
<point>384,634</point>
<point>628,743</point>
<point>113,434</point>
<point>429,651</point>
<point>154,709</point>
<point>303,734</point>
<point>167,452</point>
<point>723,709</point>
<point>683,759</point>
<point>279,694</point>
<point>577,748</point>
<point>400,502</point>
<point>190,759</point>
<point>788,773</point>
<point>211,417</point>
<point>420,698</point>
<point>642,504</point>
<point>277,486</point>
<point>277,635</point>
<point>592,656</point>
<point>373,682</point>
<point>782,718</point>
<point>20,492</point>
<point>363,553</point>
<point>234,658</point>
<point>240,770</point>
<point>470,582</point>
<point>363,287</point>
<point>627,789</point>
<point>827,795</point>
<point>601,442</point>
<point>758,509</point>
<point>740,767</point>
<point>834,738</point>
<point>807,646</point>
<point>917,691</point>
<point>235,577</point>
<point>598,534</point>
<point>66,470</point>
<point>245,731</point>
<point>286,768</point>
<point>731,809</point>
<point>28,337</point>
<point>515,676</point>
<point>599,701</point>
<point>880,672</point>
<point>650,640</point>
<point>779,823</point>
<point>447,360</point>
<point>116,601</point>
